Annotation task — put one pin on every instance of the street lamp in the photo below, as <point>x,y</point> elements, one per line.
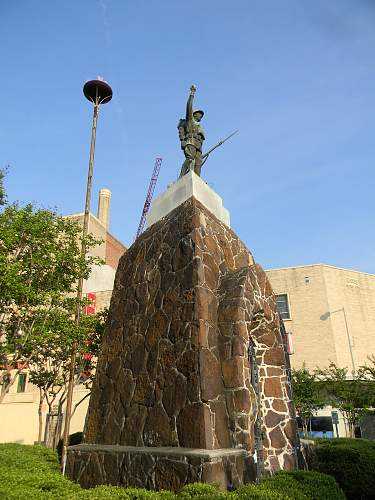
<point>326,316</point>
<point>98,92</point>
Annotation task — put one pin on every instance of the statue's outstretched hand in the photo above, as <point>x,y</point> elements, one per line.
<point>193,89</point>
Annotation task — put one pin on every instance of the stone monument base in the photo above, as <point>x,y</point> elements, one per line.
<point>157,468</point>
<point>192,380</point>
<point>187,186</point>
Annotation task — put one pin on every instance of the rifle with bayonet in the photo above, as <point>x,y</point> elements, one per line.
<point>206,155</point>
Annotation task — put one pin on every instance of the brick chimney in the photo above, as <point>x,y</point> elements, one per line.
<point>104,206</point>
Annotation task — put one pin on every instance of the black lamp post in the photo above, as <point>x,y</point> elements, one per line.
<point>98,92</point>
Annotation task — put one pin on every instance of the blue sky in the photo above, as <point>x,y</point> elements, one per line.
<point>296,77</point>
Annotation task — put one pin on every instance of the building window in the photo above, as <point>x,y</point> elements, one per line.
<point>318,427</point>
<point>21,386</point>
<point>282,305</point>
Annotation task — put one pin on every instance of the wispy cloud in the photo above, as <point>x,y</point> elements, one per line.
<point>106,24</point>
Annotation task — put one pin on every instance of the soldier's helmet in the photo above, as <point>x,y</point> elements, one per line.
<point>198,111</point>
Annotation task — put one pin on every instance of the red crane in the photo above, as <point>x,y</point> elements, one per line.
<point>151,188</point>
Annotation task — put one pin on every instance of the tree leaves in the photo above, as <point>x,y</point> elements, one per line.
<point>306,396</point>
<point>352,394</point>
<point>40,265</point>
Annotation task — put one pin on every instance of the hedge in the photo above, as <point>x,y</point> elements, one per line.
<point>198,490</point>
<point>75,438</point>
<point>351,462</point>
<point>260,492</point>
<point>33,472</point>
<point>358,443</point>
<point>304,485</point>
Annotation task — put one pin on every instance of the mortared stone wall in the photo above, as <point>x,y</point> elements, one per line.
<point>174,368</point>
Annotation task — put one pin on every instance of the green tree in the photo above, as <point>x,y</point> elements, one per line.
<point>88,350</point>
<point>50,361</point>
<point>306,397</point>
<point>40,263</point>
<point>352,395</point>
<point>369,370</point>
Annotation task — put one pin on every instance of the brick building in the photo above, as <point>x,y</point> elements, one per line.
<point>100,282</point>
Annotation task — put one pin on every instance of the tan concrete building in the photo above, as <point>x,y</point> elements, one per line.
<point>329,312</point>
<point>19,410</point>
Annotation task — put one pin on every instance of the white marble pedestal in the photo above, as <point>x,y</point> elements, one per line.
<point>184,188</point>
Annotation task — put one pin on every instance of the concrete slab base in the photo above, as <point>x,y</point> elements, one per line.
<point>158,468</point>
<point>184,188</point>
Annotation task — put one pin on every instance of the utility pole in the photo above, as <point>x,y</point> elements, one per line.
<point>349,343</point>
<point>98,92</point>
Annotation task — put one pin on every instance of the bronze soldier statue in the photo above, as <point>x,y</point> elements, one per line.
<point>191,136</point>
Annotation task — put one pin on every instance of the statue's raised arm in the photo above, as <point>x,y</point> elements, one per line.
<point>189,104</point>
<point>191,136</point>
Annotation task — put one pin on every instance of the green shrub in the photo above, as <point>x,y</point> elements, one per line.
<point>351,462</point>
<point>143,494</point>
<point>318,486</point>
<point>284,483</point>
<point>27,458</point>
<point>75,438</point>
<point>166,495</point>
<point>35,485</point>
<point>353,443</point>
<point>32,472</point>
<point>259,492</point>
<point>103,492</point>
<point>303,485</point>
<point>196,490</point>
<point>219,495</point>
